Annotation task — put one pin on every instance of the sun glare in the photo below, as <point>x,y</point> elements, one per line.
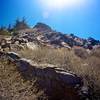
<point>60,4</point>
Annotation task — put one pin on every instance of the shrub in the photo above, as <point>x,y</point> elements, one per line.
<point>82,53</point>
<point>4,32</point>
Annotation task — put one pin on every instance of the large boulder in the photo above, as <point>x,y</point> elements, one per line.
<point>57,83</point>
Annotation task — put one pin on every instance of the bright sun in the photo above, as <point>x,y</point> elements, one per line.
<point>50,7</point>
<point>60,4</point>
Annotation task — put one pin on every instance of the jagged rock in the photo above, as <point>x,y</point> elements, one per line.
<point>12,56</point>
<point>25,65</point>
<point>31,45</point>
<point>58,84</point>
<point>45,35</point>
<point>41,27</point>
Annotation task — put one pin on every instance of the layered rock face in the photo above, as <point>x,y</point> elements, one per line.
<point>58,84</point>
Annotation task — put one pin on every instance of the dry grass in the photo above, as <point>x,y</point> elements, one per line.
<point>80,52</point>
<point>86,65</point>
<point>88,68</point>
<point>93,74</point>
<point>58,57</point>
<point>14,87</point>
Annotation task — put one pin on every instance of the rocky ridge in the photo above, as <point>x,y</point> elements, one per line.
<point>45,35</point>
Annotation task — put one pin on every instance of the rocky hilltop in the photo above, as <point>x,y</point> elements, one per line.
<point>40,63</point>
<point>45,35</point>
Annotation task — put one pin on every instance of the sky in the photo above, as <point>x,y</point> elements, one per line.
<point>80,17</point>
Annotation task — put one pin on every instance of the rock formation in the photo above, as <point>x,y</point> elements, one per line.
<point>45,35</point>
<point>58,84</point>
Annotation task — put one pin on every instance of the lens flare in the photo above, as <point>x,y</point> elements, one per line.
<point>60,4</point>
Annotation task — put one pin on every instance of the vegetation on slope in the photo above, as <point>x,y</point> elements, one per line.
<point>14,87</point>
<point>87,66</point>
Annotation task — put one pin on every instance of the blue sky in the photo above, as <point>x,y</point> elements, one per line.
<point>82,19</point>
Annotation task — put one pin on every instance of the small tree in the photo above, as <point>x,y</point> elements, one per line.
<point>19,25</point>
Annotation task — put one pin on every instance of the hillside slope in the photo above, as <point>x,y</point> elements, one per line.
<point>45,35</point>
<point>20,80</point>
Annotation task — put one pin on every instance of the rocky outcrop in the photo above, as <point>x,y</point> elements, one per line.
<point>45,35</point>
<point>41,27</point>
<point>57,83</point>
